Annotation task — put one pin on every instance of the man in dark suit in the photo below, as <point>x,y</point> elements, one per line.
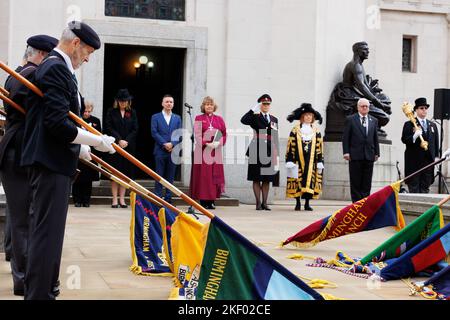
<point>14,177</point>
<point>361,149</point>
<point>51,150</point>
<point>163,126</point>
<point>417,157</point>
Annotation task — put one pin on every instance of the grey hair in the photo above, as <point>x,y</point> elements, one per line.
<point>67,35</point>
<point>31,52</point>
<point>363,100</point>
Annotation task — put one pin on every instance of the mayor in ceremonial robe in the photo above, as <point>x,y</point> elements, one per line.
<point>304,157</point>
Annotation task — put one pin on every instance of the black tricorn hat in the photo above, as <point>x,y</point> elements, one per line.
<point>42,42</point>
<point>123,95</point>
<point>304,108</point>
<point>265,98</point>
<point>85,33</point>
<point>421,102</point>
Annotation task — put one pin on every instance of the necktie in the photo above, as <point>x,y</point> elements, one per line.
<point>74,79</point>
<point>266,116</point>
<point>364,124</point>
<point>424,125</point>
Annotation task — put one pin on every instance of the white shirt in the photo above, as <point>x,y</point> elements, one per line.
<point>307,132</point>
<point>70,67</point>
<point>167,116</point>
<point>423,123</point>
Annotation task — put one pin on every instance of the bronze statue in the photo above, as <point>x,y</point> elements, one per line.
<point>355,85</point>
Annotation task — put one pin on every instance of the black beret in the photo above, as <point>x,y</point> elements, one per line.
<point>265,98</point>
<point>85,33</point>
<point>42,42</point>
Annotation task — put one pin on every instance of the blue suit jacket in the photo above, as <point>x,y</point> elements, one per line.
<point>162,133</point>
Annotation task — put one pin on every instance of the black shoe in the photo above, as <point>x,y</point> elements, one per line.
<point>86,205</point>
<point>297,207</point>
<point>211,206</point>
<point>7,257</point>
<point>55,289</point>
<point>114,206</point>
<point>259,207</point>
<point>19,292</point>
<point>265,207</point>
<point>78,205</point>
<point>308,208</point>
<point>123,206</point>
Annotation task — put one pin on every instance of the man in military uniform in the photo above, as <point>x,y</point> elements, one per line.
<point>14,177</point>
<point>51,150</point>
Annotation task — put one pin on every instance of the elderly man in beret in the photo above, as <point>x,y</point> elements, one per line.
<point>14,177</point>
<point>415,156</point>
<point>51,151</point>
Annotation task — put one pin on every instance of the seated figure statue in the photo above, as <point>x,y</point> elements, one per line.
<point>355,85</point>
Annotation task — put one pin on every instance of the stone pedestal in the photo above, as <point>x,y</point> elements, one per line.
<point>336,180</point>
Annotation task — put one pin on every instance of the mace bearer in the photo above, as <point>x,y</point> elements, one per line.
<point>408,110</point>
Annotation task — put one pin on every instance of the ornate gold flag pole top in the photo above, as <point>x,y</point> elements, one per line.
<point>408,110</point>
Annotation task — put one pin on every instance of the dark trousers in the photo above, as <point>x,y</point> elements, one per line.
<point>18,196</point>
<point>166,169</point>
<point>7,237</point>
<point>421,183</point>
<point>360,179</point>
<point>50,200</point>
<point>81,192</point>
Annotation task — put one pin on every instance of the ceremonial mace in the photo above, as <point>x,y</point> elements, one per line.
<point>408,110</point>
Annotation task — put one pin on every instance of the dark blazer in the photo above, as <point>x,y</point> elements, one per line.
<point>355,141</point>
<point>416,157</point>
<point>125,128</point>
<point>48,128</point>
<point>162,133</point>
<point>15,120</point>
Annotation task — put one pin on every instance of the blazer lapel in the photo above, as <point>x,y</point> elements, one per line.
<point>359,125</point>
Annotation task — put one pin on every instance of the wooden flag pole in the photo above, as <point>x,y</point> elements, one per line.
<point>116,147</point>
<point>424,168</point>
<point>444,201</point>
<point>130,182</point>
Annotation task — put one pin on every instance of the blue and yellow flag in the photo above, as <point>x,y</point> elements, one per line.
<point>146,237</point>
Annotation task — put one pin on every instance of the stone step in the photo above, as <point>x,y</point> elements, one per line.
<point>415,204</point>
<point>105,190</point>
<point>106,200</point>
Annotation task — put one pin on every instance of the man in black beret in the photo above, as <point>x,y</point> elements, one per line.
<point>51,151</point>
<point>14,177</point>
<point>417,157</point>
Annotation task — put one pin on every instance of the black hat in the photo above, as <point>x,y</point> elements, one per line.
<point>265,98</point>
<point>85,33</point>
<point>42,42</point>
<point>304,108</point>
<point>123,95</point>
<point>421,102</point>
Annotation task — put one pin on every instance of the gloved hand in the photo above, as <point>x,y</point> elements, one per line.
<point>446,154</point>
<point>257,108</point>
<point>106,144</point>
<point>290,165</point>
<point>101,143</point>
<point>320,167</point>
<point>417,134</point>
<point>84,152</point>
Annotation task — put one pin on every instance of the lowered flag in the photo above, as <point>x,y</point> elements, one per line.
<point>187,252</point>
<point>421,228</point>
<point>425,254</point>
<point>440,282</point>
<point>380,209</point>
<point>235,269</point>
<point>146,238</point>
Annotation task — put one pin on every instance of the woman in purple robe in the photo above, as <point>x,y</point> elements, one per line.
<point>207,175</point>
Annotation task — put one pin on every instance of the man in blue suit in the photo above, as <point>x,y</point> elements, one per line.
<point>164,125</point>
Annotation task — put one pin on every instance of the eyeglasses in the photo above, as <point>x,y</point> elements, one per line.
<point>364,106</point>
<point>422,108</point>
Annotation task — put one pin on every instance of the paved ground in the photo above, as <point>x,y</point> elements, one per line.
<point>97,243</point>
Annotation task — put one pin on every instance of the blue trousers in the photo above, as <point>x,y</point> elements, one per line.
<point>166,169</point>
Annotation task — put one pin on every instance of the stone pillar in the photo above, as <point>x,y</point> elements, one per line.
<point>336,180</point>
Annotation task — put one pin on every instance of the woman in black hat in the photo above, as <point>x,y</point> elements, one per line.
<point>304,157</point>
<point>121,123</point>
<point>262,153</point>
